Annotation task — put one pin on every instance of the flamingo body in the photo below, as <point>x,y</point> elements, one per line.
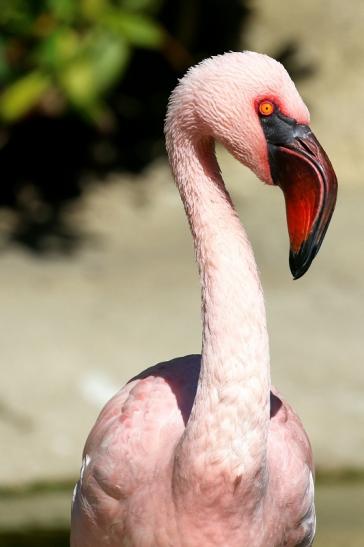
<point>201,450</point>
<point>131,498</point>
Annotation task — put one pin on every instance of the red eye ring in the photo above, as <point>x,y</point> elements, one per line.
<point>266,108</point>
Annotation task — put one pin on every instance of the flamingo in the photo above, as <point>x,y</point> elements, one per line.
<point>201,450</point>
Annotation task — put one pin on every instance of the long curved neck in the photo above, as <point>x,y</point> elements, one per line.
<point>227,428</point>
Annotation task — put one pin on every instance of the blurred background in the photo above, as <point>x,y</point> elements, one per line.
<point>97,275</point>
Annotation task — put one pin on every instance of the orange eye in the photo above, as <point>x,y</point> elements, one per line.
<point>266,108</point>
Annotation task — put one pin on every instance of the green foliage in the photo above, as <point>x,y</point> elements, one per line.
<point>19,96</point>
<point>75,51</point>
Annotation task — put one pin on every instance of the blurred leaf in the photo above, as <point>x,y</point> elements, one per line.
<point>58,48</point>
<point>87,77</point>
<point>79,47</point>
<point>110,57</point>
<point>63,10</point>
<point>92,9</point>
<point>22,95</point>
<point>139,30</point>
<point>140,5</point>
<point>77,81</point>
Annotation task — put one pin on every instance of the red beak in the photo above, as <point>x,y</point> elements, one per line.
<point>305,174</point>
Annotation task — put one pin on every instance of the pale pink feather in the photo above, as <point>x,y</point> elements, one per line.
<point>201,451</point>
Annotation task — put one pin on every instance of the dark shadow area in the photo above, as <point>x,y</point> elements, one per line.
<point>41,164</point>
<point>182,376</point>
<point>44,158</point>
<point>275,405</point>
<point>35,538</point>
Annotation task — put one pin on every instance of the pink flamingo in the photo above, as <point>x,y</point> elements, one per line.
<point>201,451</point>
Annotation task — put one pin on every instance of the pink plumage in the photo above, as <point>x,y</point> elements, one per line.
<point>201,451</point>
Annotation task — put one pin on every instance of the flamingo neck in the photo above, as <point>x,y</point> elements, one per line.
<point>227,428</point>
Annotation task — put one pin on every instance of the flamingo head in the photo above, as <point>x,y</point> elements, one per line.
<point>248,102</point>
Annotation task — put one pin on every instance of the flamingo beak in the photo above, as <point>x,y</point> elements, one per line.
<point>301,168</point>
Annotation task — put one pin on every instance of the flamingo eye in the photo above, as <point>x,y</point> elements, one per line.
<point>266,108</point>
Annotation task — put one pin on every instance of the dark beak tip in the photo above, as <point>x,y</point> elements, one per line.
<point>300,261</point>
<point>297,275</point>
<point>299,264</point>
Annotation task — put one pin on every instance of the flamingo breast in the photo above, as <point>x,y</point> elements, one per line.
<point>128,464</point>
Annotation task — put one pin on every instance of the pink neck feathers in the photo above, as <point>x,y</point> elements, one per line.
<point>227,429</point>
